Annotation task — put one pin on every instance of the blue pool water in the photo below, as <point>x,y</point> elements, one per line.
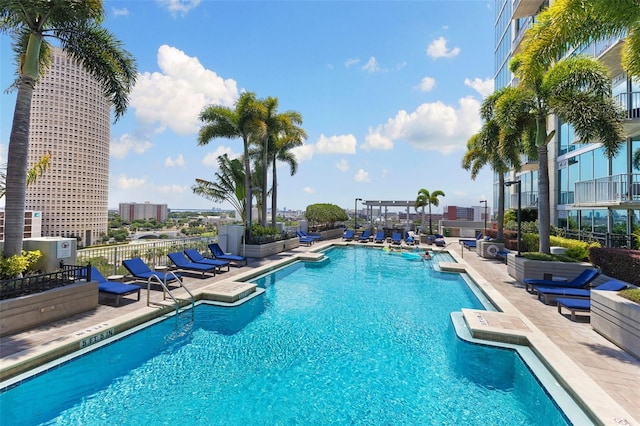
<point>365,339</point>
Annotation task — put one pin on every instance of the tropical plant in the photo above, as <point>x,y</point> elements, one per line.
<point>243,122</point>
<point>76,25</point>
<point>426,198</point>
<point>33,173</point>
<point>229,186</point>
<point>325,214</point>
<point>578,91</point>
<point>485,147</point>
<point>570,23</point>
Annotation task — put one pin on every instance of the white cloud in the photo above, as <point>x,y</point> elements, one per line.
<point>361,176</point>
<point>175,96</point>
<point>427,84</point>
<point>376,140</point>
<point>179,7</point>
<point>178,162</point>
<point>309,190</point>
<point>303,152</point>
<point>432,126</point>
<point>120,12</point>
<point>342,165</point>
<point>341,144</point>
<point>438,49</point>
<point>371,66</point>
<point>484,87</point>
<point>351,61</point>
<point>124,182</point>
<point>172,189</point>
<point>126,143</point>
<point>211,159</point>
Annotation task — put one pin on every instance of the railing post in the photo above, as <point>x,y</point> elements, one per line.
<point>115,260</point>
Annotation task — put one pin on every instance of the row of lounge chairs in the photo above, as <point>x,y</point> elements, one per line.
<point>365,237</point>
<point>574,295</point>
<point>189,261</point>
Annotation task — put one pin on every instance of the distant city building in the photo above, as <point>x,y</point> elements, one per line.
<point>32,225</point>
<point>472,214</point>
<point>70,120</point>
<point>141,211</point>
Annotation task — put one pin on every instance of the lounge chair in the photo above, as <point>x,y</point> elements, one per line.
<point>379,237</point>
<point>469,243</point>
<point>304,234</point>
<point>113,288</point>
<point>180,260</point>
<point>574,305</point>
<point>581,281</point>
<point>439,240</point>
<point>348,235</point>
<point>195,256</point>
<point>364,238</point>
<point>221,255</point>
<point>306,240</point>
<point>396,238</point>
<point>408,239</point>
<point>549,294</point>
<point>138,269</point>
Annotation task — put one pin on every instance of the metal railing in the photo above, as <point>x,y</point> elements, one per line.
<point>630,102</point>
<point>16,287</point>
<point>609,190</point>
<point>605,239</point>
<point>109,259</point>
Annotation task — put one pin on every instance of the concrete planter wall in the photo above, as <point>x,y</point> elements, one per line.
<point>268,249</point>
<point>488,249</point>
<point>330,234</point>
<point>617,319</point>
<point>32,310</point>
<point>520,268</point>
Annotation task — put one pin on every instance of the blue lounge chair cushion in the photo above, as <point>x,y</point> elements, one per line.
<point>139,269</point>
<point>348,235</point>
<point>547,292</point>
<point>181,261</point>
<point>573,305</point>
<point>581,281</point>
<point>395,238</point>
<point>365,236</point>
<point>195,256</point>
<point>217,252</point>
<point>302,234</point>
<point>379,238</point>
<point>112,287</point>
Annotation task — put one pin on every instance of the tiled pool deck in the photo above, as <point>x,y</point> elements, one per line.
<point>605,378</point>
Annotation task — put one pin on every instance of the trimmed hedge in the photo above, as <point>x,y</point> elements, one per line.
<point>619,263</point>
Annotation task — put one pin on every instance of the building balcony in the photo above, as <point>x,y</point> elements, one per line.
<point>621,191</point>
<point>523,8</point>
<point>630,103</point>
<point>529,200</point>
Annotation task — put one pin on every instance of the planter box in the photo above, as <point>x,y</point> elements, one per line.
<point>521,268</point>
<point>268,249</point>
<point>329,234</point>
<point>617,319</point>
<point>488,249</point>
<point>25,312</point>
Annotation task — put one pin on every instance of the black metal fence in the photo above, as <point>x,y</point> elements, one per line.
<point>605,239</point>
<point>68,274</point>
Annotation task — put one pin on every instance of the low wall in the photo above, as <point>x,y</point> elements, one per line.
<point>617,319</point>
<point>263,250</point>
<point>521,268</point>
<point>32,310</point>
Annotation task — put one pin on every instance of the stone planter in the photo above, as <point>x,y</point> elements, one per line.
<point>521,268</point>
<point>268,249</point>
<point>329,234</point>
<point>617,319</point>
<point>22,313</point>
<point>488,249</point>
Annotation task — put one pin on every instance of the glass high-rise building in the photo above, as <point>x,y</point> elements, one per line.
<point>590,195</point>
<point>70,120</point>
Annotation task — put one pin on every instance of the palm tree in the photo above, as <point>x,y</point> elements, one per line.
<point>486,148</point>
<point>571,23</point>
<point>229,186</point>
<point>76,25</point>
<point>243,121</point>
<point>578,91</point>
<point>283,145</point>
<point>33,173</point>
<point>425,198</point>
<point>274,126</point>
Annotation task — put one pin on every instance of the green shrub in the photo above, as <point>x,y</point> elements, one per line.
<point>619,263</point>
<point>576,249</point>
<point>19,264</point>
<point>632,294</point>
<point>536,255</point>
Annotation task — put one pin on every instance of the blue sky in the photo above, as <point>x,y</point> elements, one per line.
<point>389,92</point>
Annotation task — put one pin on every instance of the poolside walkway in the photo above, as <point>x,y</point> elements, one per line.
<point>616,372</point>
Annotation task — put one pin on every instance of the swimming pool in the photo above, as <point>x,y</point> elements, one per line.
<point>365,339</point>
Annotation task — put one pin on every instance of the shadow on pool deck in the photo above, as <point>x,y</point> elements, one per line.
<point>614,370</point>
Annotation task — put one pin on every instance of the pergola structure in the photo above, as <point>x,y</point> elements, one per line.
<point>371,204</point>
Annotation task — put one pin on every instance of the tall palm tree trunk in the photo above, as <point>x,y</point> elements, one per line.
<point>247,188</point>
<point>274,195</point>
<point>544,214</point>
<point>501,196</point>
<point>430,226</point>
